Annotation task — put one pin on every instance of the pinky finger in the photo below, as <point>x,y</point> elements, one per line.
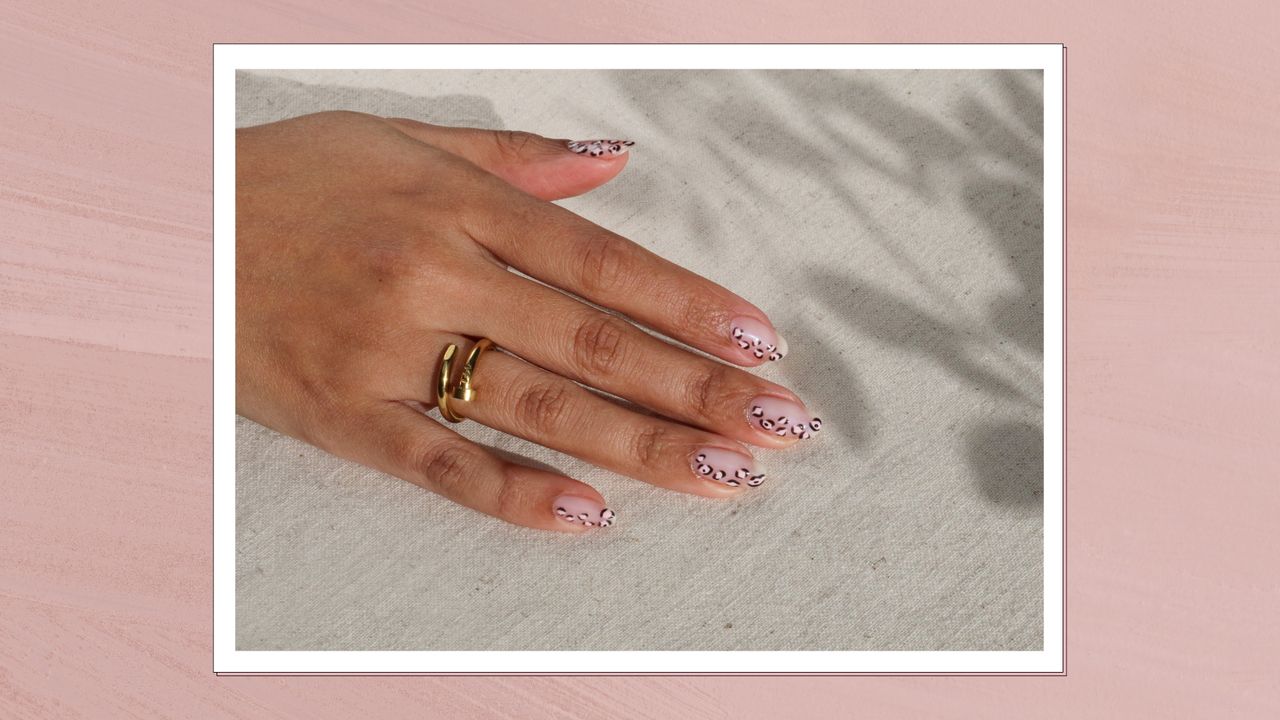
<point>401,441</point>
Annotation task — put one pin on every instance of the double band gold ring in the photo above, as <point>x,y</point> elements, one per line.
<point>463,390</point>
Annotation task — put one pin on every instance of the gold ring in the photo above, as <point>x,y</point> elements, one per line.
<point>463,390</point>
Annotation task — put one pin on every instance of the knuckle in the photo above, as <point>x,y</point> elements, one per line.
<point>696,310</point>
<point>541,407</point>
<point>706,389</point>
<point>648,446</point>
<point>512,144</point>
<point>597,344</point>
<point>604,265</point>
<point>444,467</point>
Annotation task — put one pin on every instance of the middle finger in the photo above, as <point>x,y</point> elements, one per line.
<point>611,354</point>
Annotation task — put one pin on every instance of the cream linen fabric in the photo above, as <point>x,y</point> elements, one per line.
<point>889,222</point>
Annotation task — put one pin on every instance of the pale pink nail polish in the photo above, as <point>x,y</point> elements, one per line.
<point>600,148</point>
<point>727,467</point>
<point>782,418</point>
<point>582,511</point>
<point>756,339</point>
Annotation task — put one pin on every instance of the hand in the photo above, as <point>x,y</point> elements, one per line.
<point>365,245</point>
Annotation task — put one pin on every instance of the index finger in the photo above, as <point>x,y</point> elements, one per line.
<point>562,249</point>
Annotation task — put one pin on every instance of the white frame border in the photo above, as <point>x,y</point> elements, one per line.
<point>229,58</point>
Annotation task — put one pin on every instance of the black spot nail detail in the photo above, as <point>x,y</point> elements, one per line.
<point>596,148</point>
<point>783,425</point>
<point>735,475</point>
<point>605,520</point>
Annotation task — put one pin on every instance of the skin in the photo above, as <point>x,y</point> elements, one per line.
<point>364,245</point>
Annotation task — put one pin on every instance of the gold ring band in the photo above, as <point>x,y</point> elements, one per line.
<point>463,390</point>
<point>442,384</point>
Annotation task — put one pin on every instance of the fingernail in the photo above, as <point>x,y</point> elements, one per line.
<point>727,467</point>
<point>597,148</point>
<point>583,511</point>
<point>783,418</point>
<point>757,340</point>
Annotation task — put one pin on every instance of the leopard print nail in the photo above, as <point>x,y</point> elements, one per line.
<point>597,148</point>
<point>727,468</point>
<point>605,518</point>
<point>782,425</point>
<point>758,347</point>
<point>581,511</point>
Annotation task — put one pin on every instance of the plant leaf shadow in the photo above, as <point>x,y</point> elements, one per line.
<point>890,319</point>
<point>1007,460</point>
<point>845,409</point>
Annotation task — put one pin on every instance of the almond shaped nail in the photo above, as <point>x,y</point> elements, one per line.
<point>755,339</point>
<point>727,467</point>
<point>599,148</point>
<point>782,418</point>
<point>582,511</point>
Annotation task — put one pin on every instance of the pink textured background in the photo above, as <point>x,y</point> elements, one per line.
<point>1174,297</point>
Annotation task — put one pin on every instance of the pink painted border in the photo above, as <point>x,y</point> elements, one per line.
<point>807,674</point>
<point>103,260</point>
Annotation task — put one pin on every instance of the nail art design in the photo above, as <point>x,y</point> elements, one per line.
<point>727,467</point>
<point>757,339</point>
<point>783,418</point>
<point>583,511</point>
<point>596,148</point>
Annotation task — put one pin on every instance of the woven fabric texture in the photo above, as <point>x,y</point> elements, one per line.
<point>890,224</point>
